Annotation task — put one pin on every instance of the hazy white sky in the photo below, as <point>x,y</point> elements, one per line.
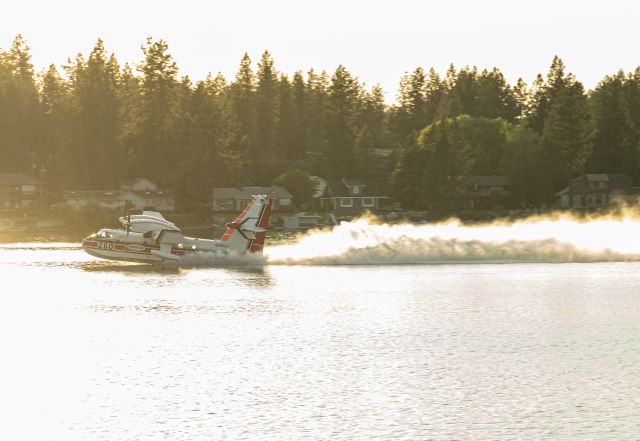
<point>376,40</point>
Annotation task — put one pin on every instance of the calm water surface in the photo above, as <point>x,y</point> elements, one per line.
<point>94,350</point>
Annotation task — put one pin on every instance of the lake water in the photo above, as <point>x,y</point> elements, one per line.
<point>97,350</point>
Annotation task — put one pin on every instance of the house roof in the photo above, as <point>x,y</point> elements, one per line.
<point>17,179</point>
<point>595,177</point>
<point>340,188</point>
<point>153,193</point>
<point>249,192</point>
<point>491,180</point>
<point>132,182</point>
<point>92,194</point>
<point>618,183</point>
<point>111,194</point>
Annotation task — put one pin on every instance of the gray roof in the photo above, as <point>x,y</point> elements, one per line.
<point>496,180</point>
<point>17,179</point>
<point>249,192</point>
<point>594,177</point>
<point>111,194</point>
<point>340,188</point>
<point>152,193</point>
<point>92,194</point>
<point>618,183</point>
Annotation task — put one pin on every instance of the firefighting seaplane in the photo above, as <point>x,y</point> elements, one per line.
<point>150,238</point>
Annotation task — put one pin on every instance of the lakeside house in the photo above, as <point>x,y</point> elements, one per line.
<point>20,194</point>
<point>487,192</point>
<point>137,194</point>
<point>235,199</point>
<point>351,196</point>
<point>593,190</point>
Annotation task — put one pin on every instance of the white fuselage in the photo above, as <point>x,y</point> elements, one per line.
<point>133,246</point>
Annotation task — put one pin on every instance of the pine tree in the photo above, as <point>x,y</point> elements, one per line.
<point>153,141</point>
<point>267,106</point>
<point>96,92</point>
<point>289,137</point>
<point>316,119</point>
<point>370,137</point>
<point>341,108</point>
<point>408,117</point>
<point>565,138</point>
<point>615,142</point>
<point>53,97</point>
<point>242,92</point>
<point>21,116</point>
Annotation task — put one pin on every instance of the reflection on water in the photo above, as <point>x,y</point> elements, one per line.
<point>125,268</point>
<point>98,350</point>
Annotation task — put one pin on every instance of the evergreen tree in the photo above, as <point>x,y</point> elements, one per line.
<point>370,138</point>
<point>53,97</point>
<point>267,106</point>
<point>96,93</point>
<point>152,143</point>
<point>243,100</point>
<point>544,92</point>
<point>298,118</point>
<point>316,119</point>
<point>289,136</point>
<point>408,117</point>
<point>21,115</point>
<point>615,142</point>
<point>341,114</point>
<point>565,138</point>
<point>632,97</point>
<point>207,135</point>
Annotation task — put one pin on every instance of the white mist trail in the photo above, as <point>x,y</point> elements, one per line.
<point>209,259</point>
<point>553,239</point>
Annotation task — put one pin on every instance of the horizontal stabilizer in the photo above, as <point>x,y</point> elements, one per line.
<point>251,231</point>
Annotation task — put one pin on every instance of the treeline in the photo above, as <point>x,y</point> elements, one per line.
<point>97,122</point>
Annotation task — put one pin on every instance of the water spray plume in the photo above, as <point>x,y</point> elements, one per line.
<point>557,237</point>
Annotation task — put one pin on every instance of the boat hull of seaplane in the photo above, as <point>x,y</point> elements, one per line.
<point>150,238</point>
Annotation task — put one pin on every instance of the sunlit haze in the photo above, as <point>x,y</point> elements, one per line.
<point>376,40</point>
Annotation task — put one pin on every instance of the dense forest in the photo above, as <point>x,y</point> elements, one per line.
<point>96,122</point>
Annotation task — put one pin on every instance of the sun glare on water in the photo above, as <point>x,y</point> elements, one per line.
<point>555,238</point>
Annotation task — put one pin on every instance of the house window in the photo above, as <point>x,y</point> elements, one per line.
<point>355,189</point>
<point>368,202</point>
<point>346,202</point>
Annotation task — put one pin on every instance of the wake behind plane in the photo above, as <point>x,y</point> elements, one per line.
<point>150,238</point>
